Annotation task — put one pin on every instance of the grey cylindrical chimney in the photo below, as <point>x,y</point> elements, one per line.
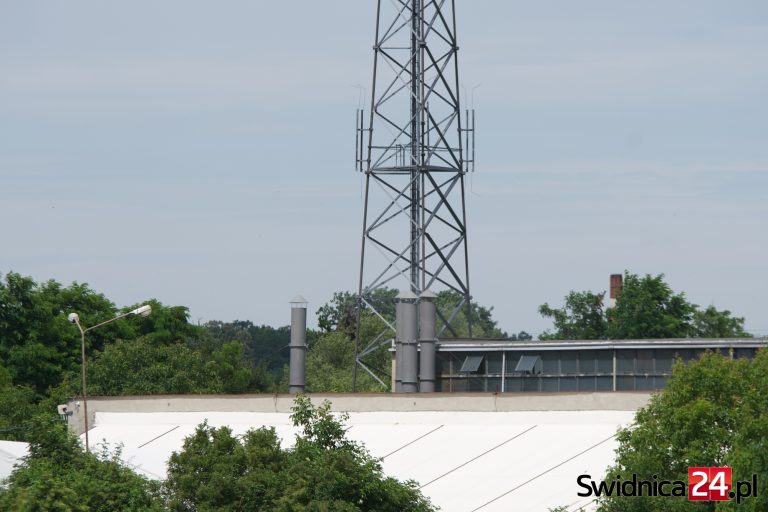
<point>428,341</point>
<point>407,328</point>
<point>298,345</point>
<point>399,326</point>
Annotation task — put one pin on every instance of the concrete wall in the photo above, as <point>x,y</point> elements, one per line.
<point>476,402</point>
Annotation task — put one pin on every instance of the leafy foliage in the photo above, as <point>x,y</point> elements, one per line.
<point>59,476</point>
<point>340,313</point>
<point>483,324</point>
<point>37,343</point>
<point>18,405</point>
<point>646,308</point>
<point>521,336</point>
<point>712,323</point>
<point>324,471</point>
<point>581,318</point>
<point>165,326</point>
<point>330,362</point>
<point>41,348</point>
<point>229,365</point>
<point>141,367</point>
<point>162,353</point>
<point>713,412</point>
<point>262,344</point>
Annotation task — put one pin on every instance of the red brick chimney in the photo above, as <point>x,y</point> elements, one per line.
<point>616,281</point>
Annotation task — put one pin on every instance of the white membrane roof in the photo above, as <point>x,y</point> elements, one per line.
<point>11,453</point>
<point>465,461</point>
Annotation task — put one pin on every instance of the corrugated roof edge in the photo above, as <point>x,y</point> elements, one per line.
<point>467,344</point>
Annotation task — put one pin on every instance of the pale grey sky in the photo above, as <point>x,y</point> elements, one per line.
<point>200,152</point>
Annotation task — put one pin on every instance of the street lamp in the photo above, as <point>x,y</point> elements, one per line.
<point>144,310</point>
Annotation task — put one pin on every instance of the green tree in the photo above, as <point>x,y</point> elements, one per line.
<point>165,326</point>
<point>141,367</point>
<point>749,453</point>
<point>265,347</point>
<point>712,323</point>
<point>331,353</point>
<point>236,376</point>
<point>330,362</point>
<point>340,313</point>
<point>37,343</point>
<point>713,412</point>
<point>17,405</point>
<point>40,347</point>
<point>646,308</point>
<point>521,336</point>
<point>483,324</point>
<point>581,318</point>
<point>59,476</point>
<point>324,471</point>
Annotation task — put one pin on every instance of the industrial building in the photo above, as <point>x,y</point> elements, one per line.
<point>481,452</point>
<point>556,405</point>
<point>568,366</point>
<point>423,362</point>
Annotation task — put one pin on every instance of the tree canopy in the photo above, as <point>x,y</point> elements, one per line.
<point>162,353</point>
<point>324,470</point>
<point>713,412</point>
<point>646,308</point>
<point>581,318</point>
<point>266,345</point>
<point>214,470</point>
<point>37,343</point>
<point>59,476</point>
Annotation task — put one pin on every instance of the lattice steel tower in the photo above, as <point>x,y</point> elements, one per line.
<point>415,150</point>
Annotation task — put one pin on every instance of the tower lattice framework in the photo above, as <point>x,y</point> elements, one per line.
<point>415,149</point>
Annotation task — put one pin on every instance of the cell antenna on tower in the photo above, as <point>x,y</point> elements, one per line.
<point>414,147</point>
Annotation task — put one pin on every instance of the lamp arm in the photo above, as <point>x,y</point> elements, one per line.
<point>108,321</point>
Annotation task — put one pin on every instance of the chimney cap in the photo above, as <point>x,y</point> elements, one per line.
<point>428,294</point>
<point>298,300</point>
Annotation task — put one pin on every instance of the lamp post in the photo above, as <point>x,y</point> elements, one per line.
<point>144,310</point>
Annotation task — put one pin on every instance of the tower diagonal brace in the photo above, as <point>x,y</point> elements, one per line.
<point>416,133</point>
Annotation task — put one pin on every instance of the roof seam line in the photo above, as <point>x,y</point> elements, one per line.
<point>478,456</point>
<point>411,442</point>
<point>543,473</point>
<point>158,437</point>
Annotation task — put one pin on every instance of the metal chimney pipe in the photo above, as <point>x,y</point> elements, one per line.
<point>406,339</point>
<point>410,345</point>
<point>399,324</point>
<point>427,341</point>
<point>297,379</point>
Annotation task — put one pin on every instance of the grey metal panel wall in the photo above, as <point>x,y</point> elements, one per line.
<point>638,368</point>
